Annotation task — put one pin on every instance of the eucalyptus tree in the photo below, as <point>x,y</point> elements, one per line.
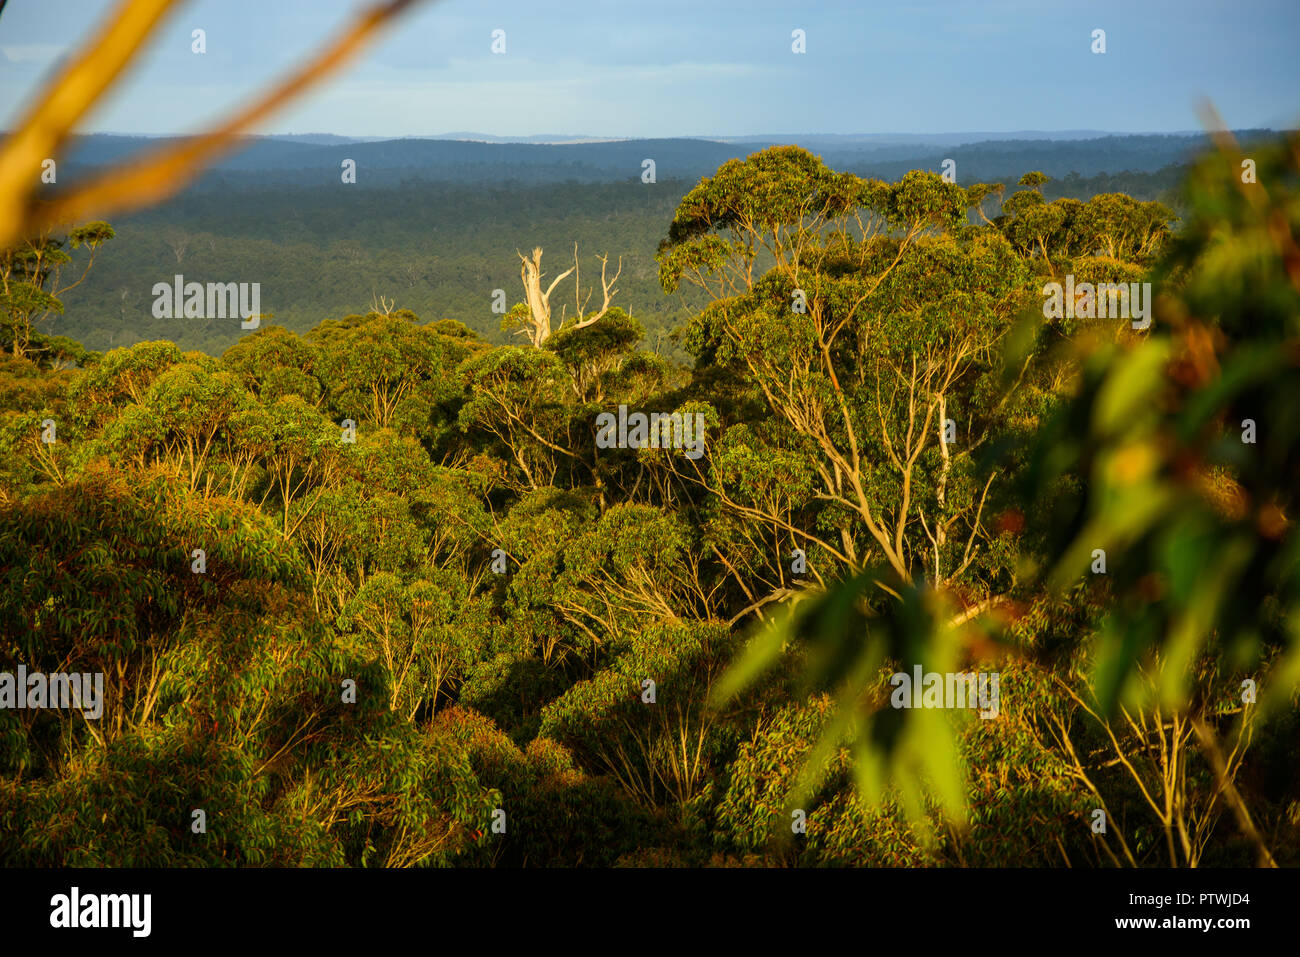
<point>32,280</point>
<point>863,328</point>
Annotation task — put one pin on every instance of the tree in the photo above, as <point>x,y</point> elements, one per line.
<point>865,343</point>
<point>1144,461</point>
<point>384,369</point>
<point>534,317</point>
<point>31,282</point>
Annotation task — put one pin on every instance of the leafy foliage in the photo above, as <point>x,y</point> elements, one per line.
<point>368,591</point>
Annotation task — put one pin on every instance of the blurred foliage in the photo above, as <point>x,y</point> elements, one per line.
<point>1173,452</point>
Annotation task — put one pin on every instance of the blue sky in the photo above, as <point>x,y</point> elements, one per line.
<point>697,67</point>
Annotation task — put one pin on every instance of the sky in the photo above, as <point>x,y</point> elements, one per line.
<point>655,68</point>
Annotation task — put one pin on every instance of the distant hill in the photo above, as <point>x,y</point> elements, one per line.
<point>306,160</point>
<point>322,139</point>
<point>927,139</point>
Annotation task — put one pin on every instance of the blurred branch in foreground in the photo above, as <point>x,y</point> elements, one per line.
<point>156,174</point>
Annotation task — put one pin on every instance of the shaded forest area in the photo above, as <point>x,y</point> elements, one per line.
<point>368,591</point>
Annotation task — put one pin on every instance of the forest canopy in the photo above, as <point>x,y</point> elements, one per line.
<point>380,591</point>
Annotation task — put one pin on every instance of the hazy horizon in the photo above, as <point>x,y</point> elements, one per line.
<point>560,139</point>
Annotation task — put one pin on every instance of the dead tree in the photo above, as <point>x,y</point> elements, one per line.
<point>537,324</point>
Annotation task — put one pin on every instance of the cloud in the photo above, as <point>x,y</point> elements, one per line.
<point>33,52</point>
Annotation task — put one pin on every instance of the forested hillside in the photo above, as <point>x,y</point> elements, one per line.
<point>289,162</point>
<point>440,249</point>
<point>369,587</point>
